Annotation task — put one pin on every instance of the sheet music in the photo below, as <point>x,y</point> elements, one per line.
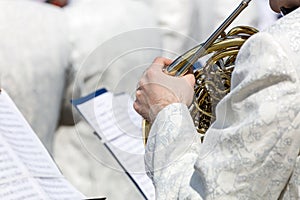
<point>24,161</point>
<point>119,126</point>
<point>58,188</point>
<point>23,188</point>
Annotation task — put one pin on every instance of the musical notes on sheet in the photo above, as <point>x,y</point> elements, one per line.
<point>119,127</point>
<point>27,170</point>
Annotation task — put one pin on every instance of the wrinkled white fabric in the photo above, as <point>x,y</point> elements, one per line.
<point>252,149</point>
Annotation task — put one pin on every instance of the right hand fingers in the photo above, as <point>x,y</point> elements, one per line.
<point>161,61</point>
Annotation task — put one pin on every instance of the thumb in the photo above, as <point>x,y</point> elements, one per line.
<point>190,79</point>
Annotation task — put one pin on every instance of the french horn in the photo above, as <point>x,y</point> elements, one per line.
<point>212,78</point>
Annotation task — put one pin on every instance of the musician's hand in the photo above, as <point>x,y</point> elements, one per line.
<point>156,90</point>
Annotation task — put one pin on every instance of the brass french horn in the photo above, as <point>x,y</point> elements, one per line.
<point>213,78</point>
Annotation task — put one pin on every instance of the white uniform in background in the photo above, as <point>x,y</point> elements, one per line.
<point>110,39</point>
<point>34,62</point>
<point>187,23</point>
<point>213,13</point>
<point>266,15</point>
<point>179,23</point>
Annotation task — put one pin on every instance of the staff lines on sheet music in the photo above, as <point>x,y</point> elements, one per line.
<point>110,137</point>
<point>52,185</point>
<point>131,167</point>
<point>58,188</point>
<point>5,111</point>
<point>37,166</point>
<point>111,124</point>
<point>18,148</point>
<point>27,151</point>
<point>15,135</point>
<point>108,127</point>
<point>32,158</point>
<point>10,122</point>
<point>16,161</point>
<point>24,186</point>
<point>4,108</point>
<point>18,144</point>
<point>99,126</point>
<point>128,144</point>
<point>55,187</point>
<point>18,175</point>
<point>2,123</point>
<point>144,180</point>
<point>32,153</point>
<point>127,155</point>
<point>26,159</point>
<point>10,170</point>
<point>33,161</point>
<point>21,189</point>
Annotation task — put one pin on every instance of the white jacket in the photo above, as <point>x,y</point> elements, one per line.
<point>252,149</point>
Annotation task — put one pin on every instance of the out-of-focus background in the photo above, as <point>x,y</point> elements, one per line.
<point>53,51</point>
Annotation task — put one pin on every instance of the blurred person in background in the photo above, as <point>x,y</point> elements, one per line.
<point>265,14</point>
<point>186,23</point>
<point>113,41</point>
<point>34,63</point>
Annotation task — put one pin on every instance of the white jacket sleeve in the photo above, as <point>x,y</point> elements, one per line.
<point>251,149</point>
<point>172,151</point>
